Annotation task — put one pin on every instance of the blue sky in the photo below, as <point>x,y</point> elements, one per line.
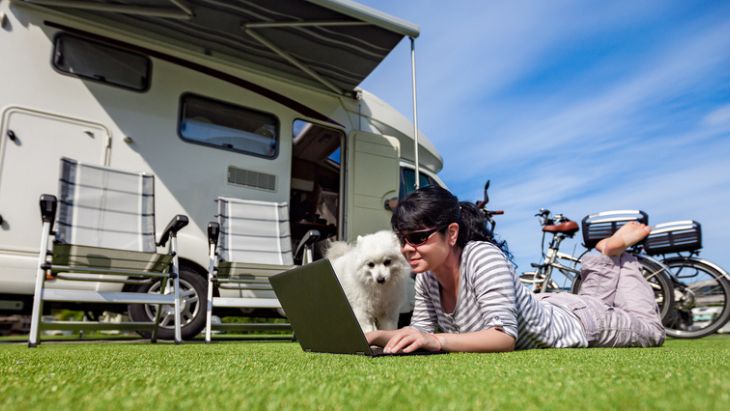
<point>575,106</point>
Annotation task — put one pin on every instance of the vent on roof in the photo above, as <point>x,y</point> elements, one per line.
<point>250,178</point>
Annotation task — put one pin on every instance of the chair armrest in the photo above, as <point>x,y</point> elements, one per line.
<point>175,225</point>
<point>311,237</point>
<point>48,203</point>
<point>214,229</point>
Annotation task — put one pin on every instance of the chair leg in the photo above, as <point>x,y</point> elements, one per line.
<point>34,337</point>
<point>158,314</point>
<point>40,278</point>
<point>178,304</point>
<point>209,305</point>
<point>176,288</point>
<point>209,311</point>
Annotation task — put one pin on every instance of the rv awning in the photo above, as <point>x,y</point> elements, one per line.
<point>330,44</point>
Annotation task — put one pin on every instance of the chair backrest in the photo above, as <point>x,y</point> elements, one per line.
<point>254,232</point>
<point>104,207</point>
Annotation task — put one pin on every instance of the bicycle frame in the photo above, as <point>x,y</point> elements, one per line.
<point>553,259</point>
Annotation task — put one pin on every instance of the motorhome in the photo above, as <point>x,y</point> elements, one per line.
<point>248,99</point>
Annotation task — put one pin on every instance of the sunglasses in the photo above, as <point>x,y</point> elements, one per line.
<point>417,238</point>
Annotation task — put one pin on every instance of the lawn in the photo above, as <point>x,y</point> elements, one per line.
<point>681,375</point>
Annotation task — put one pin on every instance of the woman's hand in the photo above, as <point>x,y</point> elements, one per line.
<point>380,337</point>
<point>410,339</point>
<point>376,338</point>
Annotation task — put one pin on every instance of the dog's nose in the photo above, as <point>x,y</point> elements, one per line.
<point>381,280</point>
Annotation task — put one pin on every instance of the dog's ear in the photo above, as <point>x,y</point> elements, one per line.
<point>359,238</point>
<point>394,237</point>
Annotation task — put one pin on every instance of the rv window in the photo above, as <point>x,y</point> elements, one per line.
<point>100,62</point>
<point>408,181</point>
<point>223,125</point>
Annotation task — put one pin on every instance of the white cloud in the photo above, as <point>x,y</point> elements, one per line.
<point>603,116</point>
<point>718,117</point>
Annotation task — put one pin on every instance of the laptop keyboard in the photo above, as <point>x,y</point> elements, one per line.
<point>378,352</point>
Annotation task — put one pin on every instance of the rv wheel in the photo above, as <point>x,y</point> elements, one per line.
<point>193,289</point>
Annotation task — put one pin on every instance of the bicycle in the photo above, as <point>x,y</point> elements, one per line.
<point>701,288</point>
<point>693,294</point>
<point>602,225</point>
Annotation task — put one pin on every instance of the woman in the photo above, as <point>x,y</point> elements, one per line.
<point>467,289</point>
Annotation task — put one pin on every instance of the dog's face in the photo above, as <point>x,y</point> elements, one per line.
<point>379,258</point>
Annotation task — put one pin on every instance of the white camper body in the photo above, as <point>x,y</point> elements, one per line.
<point>334,157</point>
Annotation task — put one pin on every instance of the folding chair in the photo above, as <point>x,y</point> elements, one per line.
<point>250,242</point>
<point>105,233</point>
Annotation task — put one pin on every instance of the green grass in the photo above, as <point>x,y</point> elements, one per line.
<point>681,375</point>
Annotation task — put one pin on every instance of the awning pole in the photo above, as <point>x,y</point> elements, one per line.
<point>415,111</point>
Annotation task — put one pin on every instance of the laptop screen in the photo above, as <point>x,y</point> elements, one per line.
<point>318,310</point>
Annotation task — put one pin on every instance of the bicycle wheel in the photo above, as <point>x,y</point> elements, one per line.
<point>657,275</point>
<point>701,298</point>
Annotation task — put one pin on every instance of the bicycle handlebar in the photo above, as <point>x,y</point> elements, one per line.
<point>543,212</point>
<point>482,204</point>
<point>547,219</point>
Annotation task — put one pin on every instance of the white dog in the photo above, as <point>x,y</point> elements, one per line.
<point>374,275</point>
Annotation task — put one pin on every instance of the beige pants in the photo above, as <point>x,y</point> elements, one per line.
<point>616,305</point>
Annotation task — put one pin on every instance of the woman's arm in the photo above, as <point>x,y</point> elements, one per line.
<point>410,339</point>
<point>424,313</point>
<point>494,283</point>
<point>490,340</point>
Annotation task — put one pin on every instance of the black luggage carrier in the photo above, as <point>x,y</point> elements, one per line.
<point>602,225</point>
<point>674,237</point>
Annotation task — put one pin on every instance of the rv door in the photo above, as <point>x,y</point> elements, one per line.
<point>372,179</point>
<point>32,143</point>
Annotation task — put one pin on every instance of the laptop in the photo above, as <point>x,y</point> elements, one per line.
<point>319,312</point>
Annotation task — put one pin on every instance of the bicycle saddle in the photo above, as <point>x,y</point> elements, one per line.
<point>568,227</point>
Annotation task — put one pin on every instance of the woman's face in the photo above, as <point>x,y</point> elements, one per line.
<point>432,253</point>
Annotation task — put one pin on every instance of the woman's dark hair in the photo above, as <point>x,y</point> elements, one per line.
<point>436,207</point>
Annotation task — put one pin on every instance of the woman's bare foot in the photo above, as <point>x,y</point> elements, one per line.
<point>626,236</point>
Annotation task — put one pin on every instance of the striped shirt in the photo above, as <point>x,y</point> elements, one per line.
<point>490,295</point>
